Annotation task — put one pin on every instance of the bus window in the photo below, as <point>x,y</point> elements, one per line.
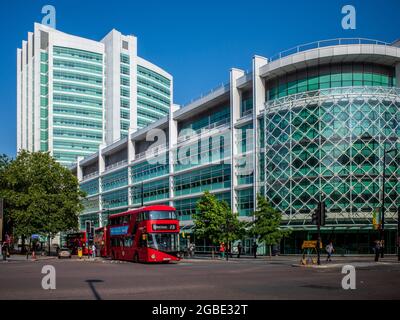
<point>128,242</point>
<point>154,215</point>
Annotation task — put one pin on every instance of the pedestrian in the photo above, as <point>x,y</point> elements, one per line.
<point>377,250</point>
<point>4,250</point>
<point>239,249</point>
<point>255,246</point>
<point>93,251</point>
<point>329,250</point>
<point>222,250</point>
<point>192,249</point>
<point>28,249</point>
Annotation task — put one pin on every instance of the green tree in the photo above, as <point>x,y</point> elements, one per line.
<point>266,225</point>
<point>4,161</point>
<point>41,196</point>
<point>215,221</point>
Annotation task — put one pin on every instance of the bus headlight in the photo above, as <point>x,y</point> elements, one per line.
<point>153,256</point>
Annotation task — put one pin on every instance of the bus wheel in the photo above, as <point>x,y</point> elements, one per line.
<point>136,258</point>
<point>113,255</point>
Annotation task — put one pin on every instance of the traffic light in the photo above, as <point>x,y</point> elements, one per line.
<point>319,215</point>
<point>88,227</point>
<point>314,217</point>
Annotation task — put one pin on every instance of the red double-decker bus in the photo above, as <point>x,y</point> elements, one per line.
<point>101,241</point>
<point>77,240</point>
<point>148,234</point>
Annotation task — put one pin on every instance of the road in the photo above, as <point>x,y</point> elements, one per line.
<point>197,279</point>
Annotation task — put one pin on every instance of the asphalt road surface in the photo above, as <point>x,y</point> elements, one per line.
<point>196,279</point>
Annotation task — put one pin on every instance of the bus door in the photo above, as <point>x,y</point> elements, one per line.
<point>142,247</point>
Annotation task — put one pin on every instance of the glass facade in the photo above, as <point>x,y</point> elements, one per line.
<point>154,96</point>
<point>77,103</point>
<point>331,76</point>
<point>331,146</point>
<point>44,101</point>
<point>321,136</point>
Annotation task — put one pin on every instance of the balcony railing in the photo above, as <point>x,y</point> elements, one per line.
<point>153,152</point>
<point>325,43</point>
<point>195,133</point>
<point>116,165</point>
<point>246,113</point>
<point>90,175</point>
<point>219,87</point>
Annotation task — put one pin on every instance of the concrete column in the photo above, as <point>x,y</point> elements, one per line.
<point>102,162</point>
<point>112,46</point>
<point>30,91</point>
<point>19,102</point>
<point>235,101</point>
<point>133,82</point>
<point>398,75</point>
<point>24,132</point>
<point>79,171</point>
<point>172,141</point>
<point>258,104</point>
<point>131,157</point>
<point>36,97</point>
<point>50,96</point>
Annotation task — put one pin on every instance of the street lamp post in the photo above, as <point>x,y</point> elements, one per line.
<point>382,233</point>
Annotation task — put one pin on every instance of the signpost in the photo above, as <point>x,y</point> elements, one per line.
<point>318,218</point>
<point>89,236</point>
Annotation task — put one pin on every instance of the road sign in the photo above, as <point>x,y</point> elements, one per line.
<point>310,244</point>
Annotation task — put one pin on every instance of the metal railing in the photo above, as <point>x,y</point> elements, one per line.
<point>90,175</point>
<point>246,113</point>
<point>219,87</point>
<point>325,43</point>
<point>116,165</point>
<point>153,152</point>
<point>195,133</point>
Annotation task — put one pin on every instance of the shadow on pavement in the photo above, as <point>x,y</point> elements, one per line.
<point>91,285</point>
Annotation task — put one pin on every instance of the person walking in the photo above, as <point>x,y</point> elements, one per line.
<point>93,251</point>
<point>4,250</point>
<point>239,249</point>
<point>191,249</point>
<point>255,246</point>
<point>222,250</point>
<point>377,250</point>
<point>329,250</point>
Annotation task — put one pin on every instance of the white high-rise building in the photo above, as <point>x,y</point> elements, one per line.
<point>74,94</point>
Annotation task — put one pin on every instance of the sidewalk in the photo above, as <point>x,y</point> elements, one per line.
<point>295,259</point>
<point>22,257</point>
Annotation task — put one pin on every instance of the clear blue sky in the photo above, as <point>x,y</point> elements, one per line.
<point>196,41</point>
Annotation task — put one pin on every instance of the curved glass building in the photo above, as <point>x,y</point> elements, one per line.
<point>75,94</point>
<point>315,123</point>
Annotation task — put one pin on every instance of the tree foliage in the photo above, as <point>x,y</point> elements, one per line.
<point>41,196</point>
<point>215,221</point>
<point>4,162</point>
<point>266,226</point>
